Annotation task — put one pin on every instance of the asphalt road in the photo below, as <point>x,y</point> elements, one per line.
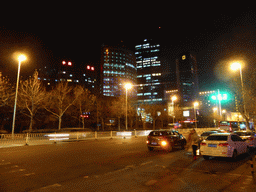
<point>117,165</point>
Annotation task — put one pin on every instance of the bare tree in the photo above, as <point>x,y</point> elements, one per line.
<point>84,102</point>
<point>31,96</point>
<point>5,91</point>
<point>118,108</point>
<point>154,110</point>
<point>60,99</point>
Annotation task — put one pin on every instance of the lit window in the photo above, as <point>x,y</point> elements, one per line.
<point>64,62</point>
<point>92,68</point>
<point>69,80</point>
<point>88,67</point>
<point>69,63</point>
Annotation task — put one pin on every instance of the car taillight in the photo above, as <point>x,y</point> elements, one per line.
<point>203,144</point>
<point>250,138</point>
<point>223,144</point>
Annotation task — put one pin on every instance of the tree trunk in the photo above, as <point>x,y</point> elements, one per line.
<point>31,123</point>
<point>118,123</point>
<point>59,122</point>
<point>102,122</point>
<point>154,124</point>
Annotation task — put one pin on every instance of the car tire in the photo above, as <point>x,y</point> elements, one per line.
<point>206,157</point>
<point>183,145</point>
<point>150,148</point>
<point>234,156</point>
<point>169,149</point>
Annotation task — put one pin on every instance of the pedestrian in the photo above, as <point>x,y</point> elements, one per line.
<point>194,138</point>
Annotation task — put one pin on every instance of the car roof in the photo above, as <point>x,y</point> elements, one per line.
<point>224,134</point>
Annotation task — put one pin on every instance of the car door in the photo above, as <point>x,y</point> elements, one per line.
<point>239,143</point>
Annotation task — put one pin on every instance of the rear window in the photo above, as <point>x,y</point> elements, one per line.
<point>243,133</point>
<point>208,133</point>
<point>217,138</point>
<point>158,133</point>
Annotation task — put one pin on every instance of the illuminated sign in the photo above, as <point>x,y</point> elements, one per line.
<point>186,113</point>
<point>183,57</point>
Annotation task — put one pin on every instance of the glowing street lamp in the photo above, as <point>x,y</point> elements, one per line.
<point>237,66</point>
<point>20,59</point>
<point>174,98</point>
<point>195,105</point>
<point>127,86</point>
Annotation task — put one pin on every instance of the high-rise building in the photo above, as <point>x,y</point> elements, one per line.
<point>118,67</point>
<point>150,70</point>
<point>67,71</point>
<point>187,78</point>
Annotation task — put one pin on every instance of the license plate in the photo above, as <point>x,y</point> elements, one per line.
<point>212,145</point>
<point>153,143</point>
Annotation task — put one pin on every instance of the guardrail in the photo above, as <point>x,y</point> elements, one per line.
<point>59,137</point>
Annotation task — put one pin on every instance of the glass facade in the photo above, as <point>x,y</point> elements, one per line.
<point>149,72</point>
<point>118,67</point>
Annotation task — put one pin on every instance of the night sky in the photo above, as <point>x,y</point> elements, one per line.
<point>48,33</point>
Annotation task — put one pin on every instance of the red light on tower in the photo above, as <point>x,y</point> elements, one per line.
<point>92,68</point>
<point>69,63</point>
<point>63,62</point>
<point>88,67</point>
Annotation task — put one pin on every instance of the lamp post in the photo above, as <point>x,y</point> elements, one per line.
<point>20,59</point>
<point>174,98</point>
<point>234,67</point>
<point>127,86</point>
<point>195,105</point>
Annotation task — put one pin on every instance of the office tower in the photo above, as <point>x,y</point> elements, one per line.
<point>187,78</point>
<point>71,72</point>
<point>118,67</point>
<point>150,69</point>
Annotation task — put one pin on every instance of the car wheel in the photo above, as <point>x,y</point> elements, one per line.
<point>183,145</point>
<point>234,156</point>
<point>150,148</point>
<point>206,157</point>
<point>169,149</point>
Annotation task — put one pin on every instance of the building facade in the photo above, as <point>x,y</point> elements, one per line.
<point>150,71</point>
<point>118,67</point>
<point>67,71</point>
<point>187,78</point>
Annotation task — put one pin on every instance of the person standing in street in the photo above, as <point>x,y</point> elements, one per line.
<point>194,142</point>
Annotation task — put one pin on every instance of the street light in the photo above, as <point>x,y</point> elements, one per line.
<point>195,105</point>
<point>20,59</point>
<point>127,86</point>
<point>174,98</point>
<point>234,67</point>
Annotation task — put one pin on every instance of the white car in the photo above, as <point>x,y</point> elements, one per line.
<point>249,136</point>
<point>223,145</point>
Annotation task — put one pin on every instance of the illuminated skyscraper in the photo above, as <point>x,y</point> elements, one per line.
<point>118,67</point>
<point>150,69</point>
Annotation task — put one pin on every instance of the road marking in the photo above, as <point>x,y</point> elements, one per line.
<point>5,163</point>
<point>51,186</point>
<point>146,163</point>
<point>151,182</point>
<point>28,174</point>
<point>13,171</point>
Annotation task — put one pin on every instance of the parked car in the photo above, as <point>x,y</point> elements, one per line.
<point>205,134</point>
<point>223,145</point>
<point>249,136</point>
<point>165,139</point>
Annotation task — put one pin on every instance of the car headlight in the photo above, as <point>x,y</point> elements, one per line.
<point>163,143</point>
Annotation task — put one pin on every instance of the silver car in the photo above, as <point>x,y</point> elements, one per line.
<point>249,136</point>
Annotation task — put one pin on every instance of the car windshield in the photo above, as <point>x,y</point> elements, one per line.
<point>158,133</point>
<point>217,138</point>
<point>243,133</point>
<point>208,133</point>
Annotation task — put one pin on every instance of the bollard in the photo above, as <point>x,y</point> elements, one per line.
<point>55,139</point>
<point>135,133</point>
<point>26,140</point>
<point>96,135</point>
<point>111,134</point>
<point>252,162</point>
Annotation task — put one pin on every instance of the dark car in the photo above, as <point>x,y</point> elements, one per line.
<point>165,139</point>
